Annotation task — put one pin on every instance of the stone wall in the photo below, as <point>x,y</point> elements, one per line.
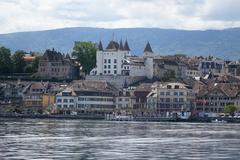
<point>117,81</point>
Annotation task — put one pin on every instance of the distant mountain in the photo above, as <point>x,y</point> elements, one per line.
<point>220,43</point>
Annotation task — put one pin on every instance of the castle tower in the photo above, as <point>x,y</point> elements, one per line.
<point>148,56</point>
<point>99,59</point>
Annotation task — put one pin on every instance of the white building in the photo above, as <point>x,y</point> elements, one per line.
<point>117,60</point>
<point>87,96</point>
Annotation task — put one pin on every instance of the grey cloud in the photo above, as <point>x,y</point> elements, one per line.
<point>87,11</point>
<point>224,11</point>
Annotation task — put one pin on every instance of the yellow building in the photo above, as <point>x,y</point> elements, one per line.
<point>48,100</point>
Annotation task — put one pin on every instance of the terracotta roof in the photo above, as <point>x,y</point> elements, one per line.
<point>228,89</point>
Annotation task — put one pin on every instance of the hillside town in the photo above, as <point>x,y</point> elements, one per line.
<point>123,84</point>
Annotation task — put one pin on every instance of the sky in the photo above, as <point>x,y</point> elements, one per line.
<point>33,15</point>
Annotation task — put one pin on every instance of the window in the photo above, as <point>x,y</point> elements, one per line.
<point>168,93</point>
<point>180,99</point>
<point>162,93</point>
<point>71,100</point>
<point>175,99</point>
<point>105,61</point>
<point>109,71</point>
<point>109,66</point>
<point>115,71</point>
<point>105,72</point>
<point>80,99</point>
<point>115,60</point>
<point>109,60</point>
<point>59,100</point>
<point>59,106</point>
<point>65,106</point>
<point>167,99</point>
<point>65,100</point>
<point>181,93</point>
<point>120,99</point>
<point>105,66</point>
<point>115,66</point>
<point>175,93</point>
<point>176,87</point>
<point>71,105</point>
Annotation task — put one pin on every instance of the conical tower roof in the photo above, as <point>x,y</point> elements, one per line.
<point>126,46</point>
<point>100,47</point>
<point>148,48</point>
<point>113,45</point>
<point>121,46</point>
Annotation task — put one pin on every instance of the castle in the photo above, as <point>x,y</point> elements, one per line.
<point>116,60</point>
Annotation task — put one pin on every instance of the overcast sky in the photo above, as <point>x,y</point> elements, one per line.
<point>29,15</point>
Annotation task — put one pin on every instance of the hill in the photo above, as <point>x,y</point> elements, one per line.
<point>221,43</point>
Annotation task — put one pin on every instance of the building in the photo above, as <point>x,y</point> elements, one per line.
<point>214,94</point>
<point>140,99</point>
<point>171,97</point>
<point>116,65</point>
<point>53,64</point>
<point>162,66</point>
<point>87,97</point>
<point>33,97</point>
<point>234,68</point>
<point>124,101</point>
<point>48,100</point>
<point>211,64</point>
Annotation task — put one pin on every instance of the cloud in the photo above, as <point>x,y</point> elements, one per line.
<point>25,15</point>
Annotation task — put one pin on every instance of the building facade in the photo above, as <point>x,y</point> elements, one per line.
<point>117,60</point>
<point>171,97</point>
<point>55,65</point>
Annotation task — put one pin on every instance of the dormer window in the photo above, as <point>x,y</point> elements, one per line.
<point>176,86</point>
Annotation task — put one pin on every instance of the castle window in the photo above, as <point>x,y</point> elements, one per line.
<point>105,66</point>
<point>115,71</point>
<point>115,66</point>
<point>105,72</point>
<point>109,66</point>
<point>115,60</point>
<point>105,61</point>
<point>109,60</point>
<point>109,72</point>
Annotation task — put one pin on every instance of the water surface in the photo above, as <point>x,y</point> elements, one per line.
<point>81,139</point>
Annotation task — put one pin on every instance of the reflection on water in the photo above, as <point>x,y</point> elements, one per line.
<point>78,139</point>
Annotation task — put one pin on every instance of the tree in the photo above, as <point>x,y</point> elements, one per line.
<point>35,64</point>
<point>230,108</point>
<point>86,55</point>
<point>5,61</point>
<point>168,75</point>
<point>18,61</point>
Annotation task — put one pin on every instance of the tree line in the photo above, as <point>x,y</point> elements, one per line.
<point>15,63</point>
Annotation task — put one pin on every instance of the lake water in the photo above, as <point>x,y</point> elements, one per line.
<point>81,139</point>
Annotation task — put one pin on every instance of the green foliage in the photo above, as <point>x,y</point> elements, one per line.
<point>86,55</point>
<point>5,61</point>
<point>18,61</point>
<point>169,75</point>
<point>230,108</point>
<point>29,68</point>
<point>35,64</point>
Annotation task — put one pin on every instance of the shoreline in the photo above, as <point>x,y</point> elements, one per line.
<point>136,119</point>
